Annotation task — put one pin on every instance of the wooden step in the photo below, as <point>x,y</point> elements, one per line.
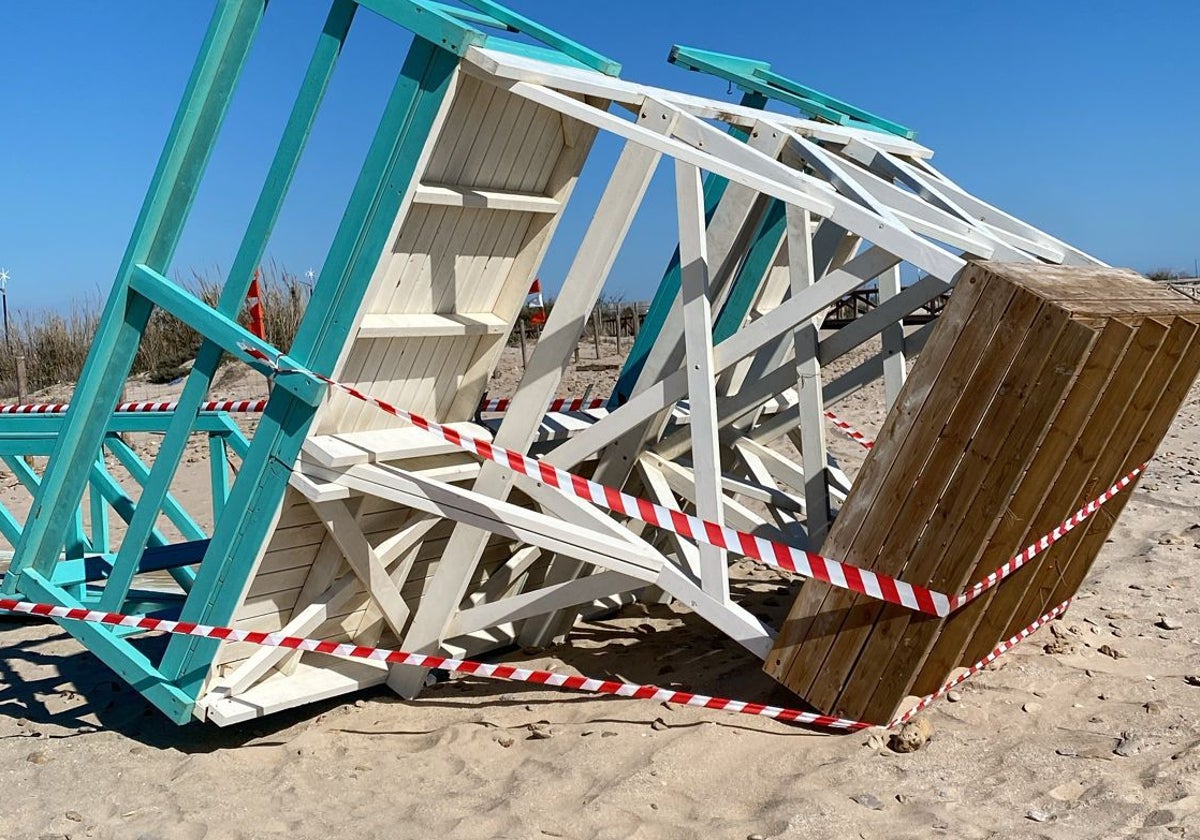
<point>382,445</point>
<point>448,195</point>
<point>431,325</point>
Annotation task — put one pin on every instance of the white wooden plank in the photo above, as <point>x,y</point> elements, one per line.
<point>430,325</point>
<point>701,374</point>
<point>492,199</point>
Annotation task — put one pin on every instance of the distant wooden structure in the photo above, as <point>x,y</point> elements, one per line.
<point>345,524</point>
<point>1041,387</point>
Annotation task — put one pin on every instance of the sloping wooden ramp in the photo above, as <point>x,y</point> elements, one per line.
<point>1041,387</point>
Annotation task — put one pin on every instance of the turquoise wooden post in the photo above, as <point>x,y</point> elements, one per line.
<point>756,76</point>
<point>99,511</point>
<point>752,272</point>
<point>218,468</point>
<point>249,255</point>
<point>156,234</point>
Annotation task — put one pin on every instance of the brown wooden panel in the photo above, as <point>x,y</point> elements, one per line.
<point>1096,459</point>
<point>1040,396</point>
<point>1151,409</point>
<point>996,456</point>
<point>905,505</point>
<point>1013,530</point>
<point>791,661</point>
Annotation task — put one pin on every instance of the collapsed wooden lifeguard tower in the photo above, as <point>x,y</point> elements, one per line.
<point>344,523</point>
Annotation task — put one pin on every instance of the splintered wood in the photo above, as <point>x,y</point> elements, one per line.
<point>1041,386</point>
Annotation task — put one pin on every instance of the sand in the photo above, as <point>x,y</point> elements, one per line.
<point>1061,744</point>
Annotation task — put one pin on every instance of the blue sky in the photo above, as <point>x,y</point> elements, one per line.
<point>1081,118</point>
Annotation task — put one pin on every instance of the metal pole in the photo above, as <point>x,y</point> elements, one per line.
<point>596,328</point>
<point>4,297</point>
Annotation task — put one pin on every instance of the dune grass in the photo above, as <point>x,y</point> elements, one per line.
<point>55,344</point>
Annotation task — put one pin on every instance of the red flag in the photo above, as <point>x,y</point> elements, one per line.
<point>254,303</point>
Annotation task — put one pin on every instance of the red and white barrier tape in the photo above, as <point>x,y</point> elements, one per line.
<point>1001,649</point>
<point>462,666</point>
<point>774,554</point>
<point>1034,549</point>
<point>850,432</point>
<point>501,404</point>
<point>257,406</point>
<point>506,672</point>
<point>232,406</point>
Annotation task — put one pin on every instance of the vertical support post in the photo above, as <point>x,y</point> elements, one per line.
<point>697,333</point>
<point>99,513</point>
<point>22,379</point>
<point>596,328</point>
<point>617,308</point>
<point>802,275</point>
<point>218,467</point>
<point>524,348</point>
<point>895,370</point>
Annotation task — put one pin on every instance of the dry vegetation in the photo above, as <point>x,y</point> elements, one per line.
<point>55,345</point>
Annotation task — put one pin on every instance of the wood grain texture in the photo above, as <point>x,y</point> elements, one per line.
<point>1040,388</point>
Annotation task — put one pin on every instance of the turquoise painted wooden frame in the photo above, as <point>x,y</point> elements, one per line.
<point>22,436</point>
<point>757,77</point>
<point>245,508</point>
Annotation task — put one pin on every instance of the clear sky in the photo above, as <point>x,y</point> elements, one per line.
<point>1082,118</point>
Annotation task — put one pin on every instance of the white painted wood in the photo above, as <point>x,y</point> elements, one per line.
<point>540,601</point>
<point>431,325</point>
<point>679,150</point>
<point>383,445</point>
<point>326,677</point>
<point>365,563</point>
<point>895,367</point>
<point>701,375</point>
<point>448,501</point>
<point>446,195</point>
<point>489,63</point>
<point>811,407</point>
<point>730,618</point>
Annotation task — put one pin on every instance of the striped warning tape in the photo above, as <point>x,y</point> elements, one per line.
<point>777,555</point>
<point>232,406</point>
<point>774,554</point>
<point>1001,649</point>
<point>1034,549</point>
<point>850,432</point>
<point>501,404</point>
<point>462,666</point>
<point>505,672</point>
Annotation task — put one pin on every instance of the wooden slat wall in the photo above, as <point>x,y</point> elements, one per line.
<point>1040,387</point>
<point>471,261</point>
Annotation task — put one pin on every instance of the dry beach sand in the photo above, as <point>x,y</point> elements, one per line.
<point>1057,740</point>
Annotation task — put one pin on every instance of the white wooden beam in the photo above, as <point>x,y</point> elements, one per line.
<point>701,374</point>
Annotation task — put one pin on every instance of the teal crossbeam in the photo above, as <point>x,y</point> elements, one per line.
<point>758,77</point>
<point>454,29</point>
